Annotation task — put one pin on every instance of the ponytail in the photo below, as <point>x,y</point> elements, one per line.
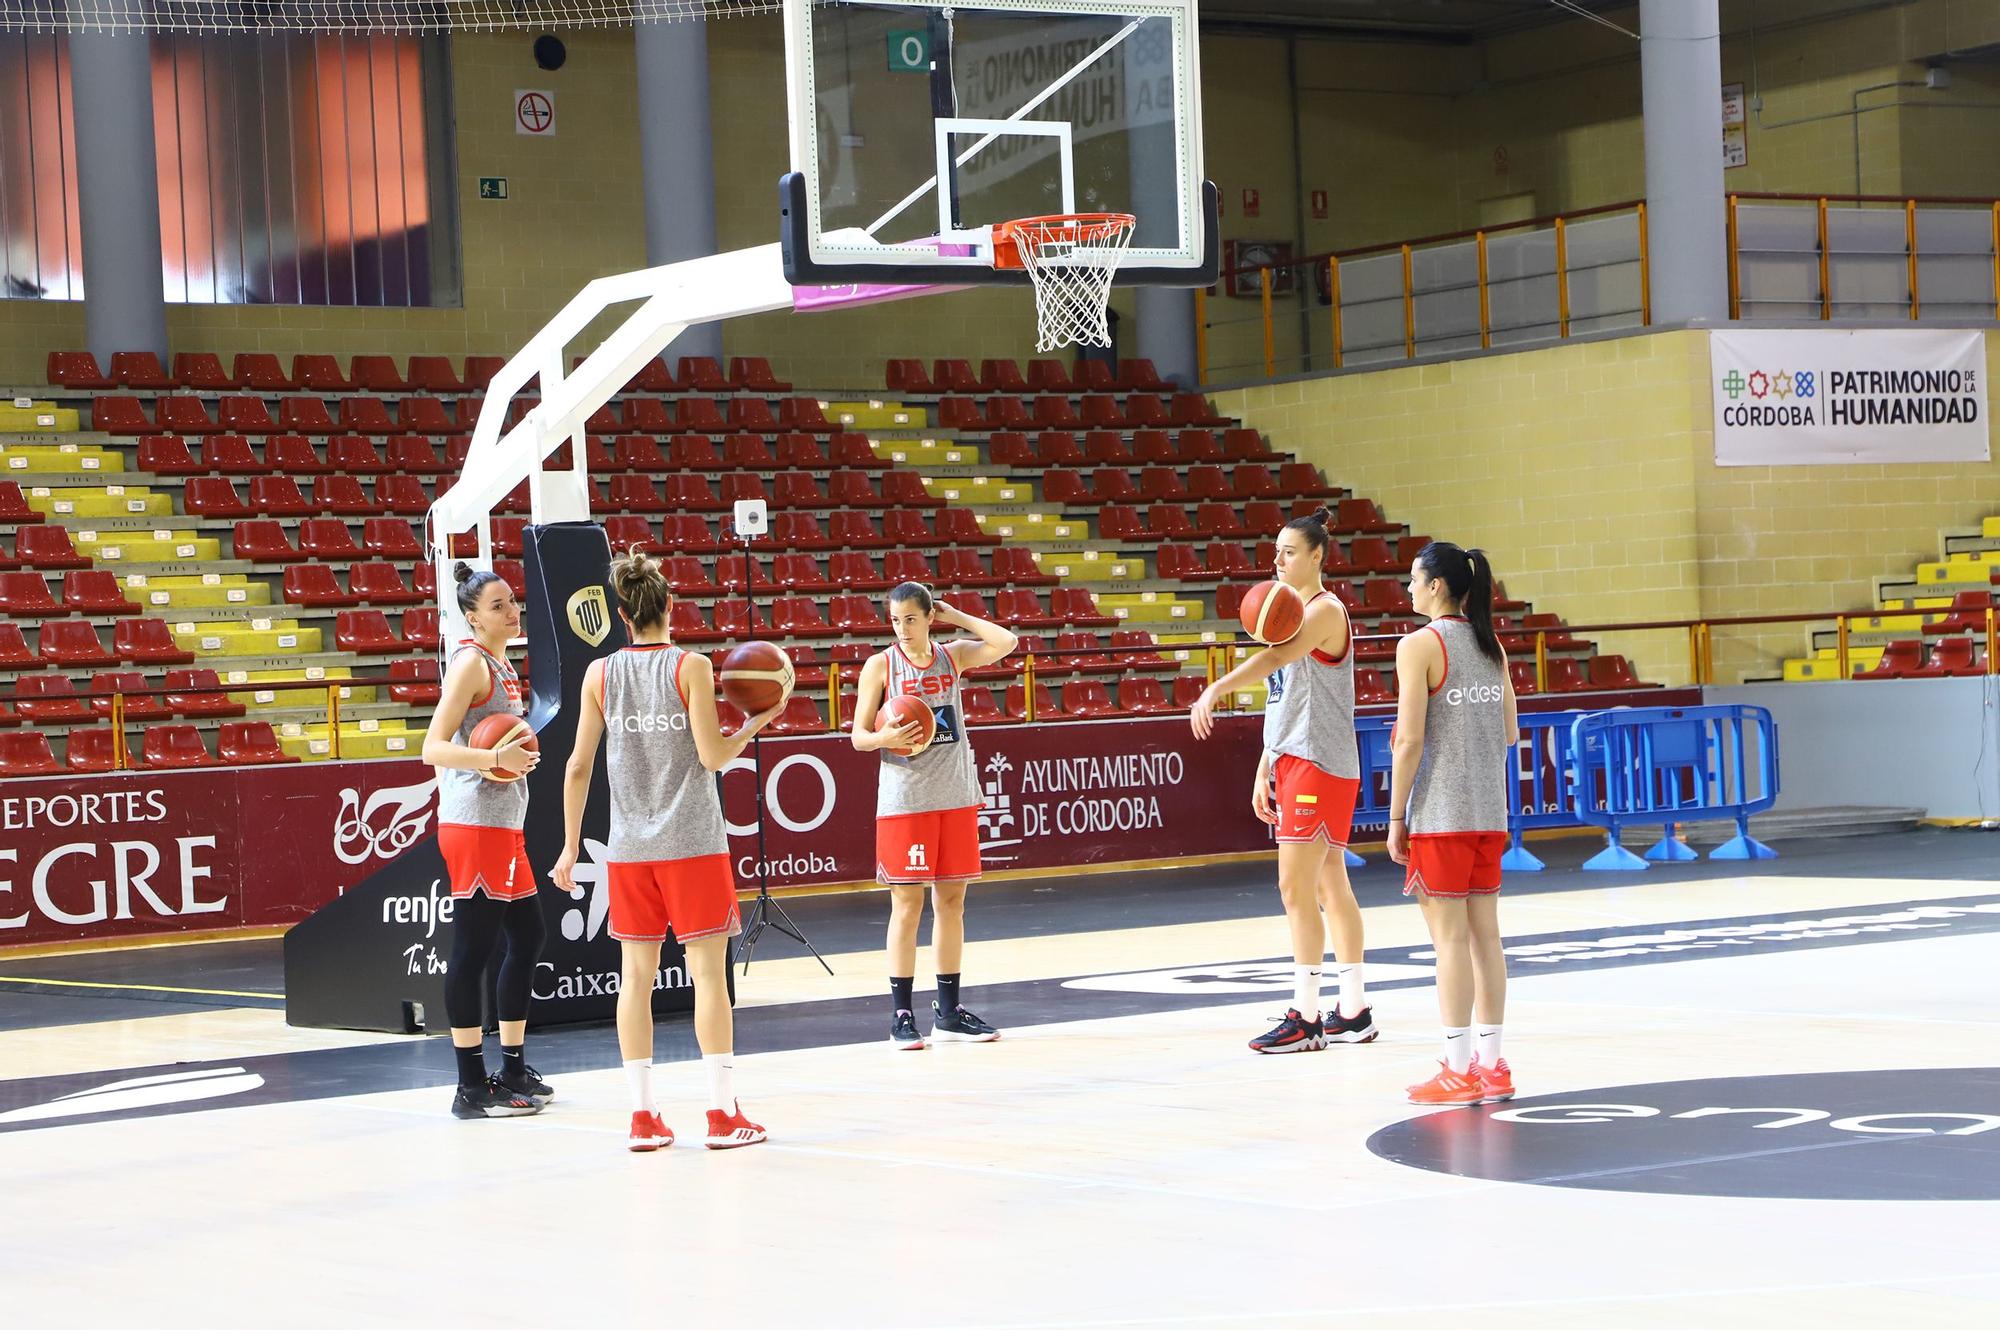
<point>1313,527</point>
<point>471,581</point>
<point>642,589</point>
<point>1468,575</point>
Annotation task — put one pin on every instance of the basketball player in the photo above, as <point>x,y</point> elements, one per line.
<point>927,806</point>
<point>1448,801</point>
<point>486,854</point>
<point>1309,748</point>
<point>669,852</point>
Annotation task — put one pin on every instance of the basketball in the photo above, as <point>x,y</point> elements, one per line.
<point>756,676</point>
<point>497,729</point>
<point>1272,612</point>
<point>899,711</point>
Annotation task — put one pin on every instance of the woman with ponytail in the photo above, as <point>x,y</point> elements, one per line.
<point>1448,802</point>
<point>668,847</point>
<point>1309,747</point>
<point>485,852</point>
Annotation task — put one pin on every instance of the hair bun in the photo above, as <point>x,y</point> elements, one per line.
<point>460,571</point>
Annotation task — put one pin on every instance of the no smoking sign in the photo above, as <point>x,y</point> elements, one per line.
<point>534,113</point>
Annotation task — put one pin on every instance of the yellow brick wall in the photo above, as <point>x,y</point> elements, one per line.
<point>1588,471</point>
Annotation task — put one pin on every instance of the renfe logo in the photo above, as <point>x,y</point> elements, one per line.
<point>1811,1137</point>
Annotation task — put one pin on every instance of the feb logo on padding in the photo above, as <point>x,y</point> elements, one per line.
<point>589,616</point>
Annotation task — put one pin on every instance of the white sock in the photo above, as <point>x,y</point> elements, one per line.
<point>1458,1047</point>
<point>1353,992</point>
<point>721,1095</point>
<point>639,1075</point>
<point>1305,991</point>
<point>1489,1045</point>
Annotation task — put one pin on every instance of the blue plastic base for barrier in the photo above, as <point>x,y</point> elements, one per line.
<point>1672,850</point>
<point>1740,846</point>
<point>1616,858</point>
<point>1354,860</point>
<point>1518,860</point>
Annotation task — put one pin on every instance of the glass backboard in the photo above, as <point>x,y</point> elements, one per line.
<point>918,125</point>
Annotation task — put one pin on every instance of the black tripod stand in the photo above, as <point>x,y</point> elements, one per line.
<point>765,912</point>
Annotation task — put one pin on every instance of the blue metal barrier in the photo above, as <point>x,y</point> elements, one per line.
<point>1670,765</point>
<point>1541,775</point>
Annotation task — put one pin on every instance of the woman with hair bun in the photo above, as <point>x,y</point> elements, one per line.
<point>1448,802</point>
<point>1309,749</point>
<point>927,806</point>
<point>480,825</point>
<point>669,850</point>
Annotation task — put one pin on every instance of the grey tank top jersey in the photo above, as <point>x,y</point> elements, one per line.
<point>1462,782</point>
<point>664,804</point>
<point>467,798</point>
<point>945,775</point>
<point>1309,713</point>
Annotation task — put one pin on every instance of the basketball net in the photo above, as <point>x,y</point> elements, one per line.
<point>1071,260</point>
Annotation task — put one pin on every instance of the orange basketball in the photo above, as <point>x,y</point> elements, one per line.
<point>498,729</point>
<point>1272,612</point>
<point>900,711</point>
<point>756,676</point>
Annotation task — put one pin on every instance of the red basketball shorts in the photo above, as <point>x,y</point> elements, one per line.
<point>489,859</point>
<point>695,898</point>
<point>928,847</point>
<point>1455,864</point>
<point>1313,805</point>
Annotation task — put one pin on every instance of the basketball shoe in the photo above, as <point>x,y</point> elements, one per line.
<point>1448,1089</point>
<point>528,1084</point>
<point>648,1133</point>
<point>1495,1082</point>
<point>728,1131</point>
<point>1360,1028</point>
<point>961,1027</point>
<point>490,1099</point>
<point>903,1032</point>
<point>1294,1034</point>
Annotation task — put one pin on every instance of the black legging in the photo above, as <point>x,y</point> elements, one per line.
<point>477,924</point>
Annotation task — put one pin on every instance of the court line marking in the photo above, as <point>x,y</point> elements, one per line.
<point>134,988</point>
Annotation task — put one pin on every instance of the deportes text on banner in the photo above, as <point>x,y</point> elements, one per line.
<point>1801,397</point>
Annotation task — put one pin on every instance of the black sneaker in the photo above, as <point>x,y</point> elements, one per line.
<point>1360,1028</point>
<point>528,1083</point>
<point>492,1100</point>
<point>903,1032</point>
<point>961,1027</point>
<point>1294,1034</point>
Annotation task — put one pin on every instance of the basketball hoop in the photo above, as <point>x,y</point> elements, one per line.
<point>1071,259</point>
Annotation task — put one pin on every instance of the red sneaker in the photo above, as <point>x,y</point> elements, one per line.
<point>648,1133</point>
<point>1447,1089</point>
<point>1495,1082</point>
<point>728,1131</point>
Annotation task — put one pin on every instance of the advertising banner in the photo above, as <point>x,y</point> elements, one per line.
<point>1804,397</point>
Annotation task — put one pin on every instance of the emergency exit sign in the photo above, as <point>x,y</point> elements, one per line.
<point>493,187</point>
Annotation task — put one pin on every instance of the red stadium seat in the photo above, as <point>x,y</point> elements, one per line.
<point>692,493</point>
<point>245,415</point>
<point>1197,445</point>
<point>342,496</point>
<point>1361,515</point>
<point>1968,615</point>
<point>753,374</point>
<point>14,509</point>
<point>855,614</point>
<point>960,526</point>
<point>147,641</point>
<point>313,584</point>
<point>367,633</point>
<point>14,653</point>
<point>1194,409</point>
<point>1086,699</point>
<point>1146,410</point>
<point>434,374</point>
<point>174,746</point>
<point>120,415</point>
<point>742,487</point>
<point>139,369</point>
<point>640,415</point>
<point>279,496</point>
<point>140,704</point>
<point>292,455</point>
<point>1010,448</point>
<point>1095,376</point>
<point>231,455</point>
<point>1045,705</point>
<point>1023,609</point>
<point>1616,672</point>
<point>905,526</point>
<point>980,708</point>
<point>365,415</point>
<point>417,681</point>
<point>751,414</point>
<point>1153,445</point>
<point>183,415</point>
<point>71,644</point>
<point>422,415</point>
<point>167,455</point>
<point>1142,653</point>
<point>1371,690</point>
<point>1566,677</point>
<point>800,572</point>
<point>1048,376</point>
<point>260,371</point>
<point>634,493</point>
<point>800,716</point>
<point>197,693</point>
<point>376,374</point>
<point>688,625</point>
<point>262,541</point>
<point>801,451</point>
<point>406,456</point>
<point>735,619</point>
<point>636,452</point>
<point>422,628</point>
<point>748,451</point>
<point>26,754</point>
<point>248,743</point>
<point>626,533</point>
<point>1003,412</point>
<point>906,489</point>
<point>77,369</point>
<point>854,450</point>
<point>91,750</point>
<point>701,374</point>
<point>797,489</point>
<point>954,376</point>
<point>1078,608</point>
<point>1951,657</point>
<point>49,700</point>
<point>47,547</point>
<point>327,538</point>
<point>959,413</point>
<point>1101,411</point>
<point>1183,564</point>
<point>403,495</point>
<point>701,413</point>
<point>1066,488</point>
<point>25,595</point>
<point>908,376</point>
<point>963,568</point>
<point>1110,484</point>
<point>797,616</point>
<point>509,533</point>
<point>1141,374</point>
<point>377,583</point>
<point>1121,522</point>
<point>1380,596</point>
<point>95,591</point>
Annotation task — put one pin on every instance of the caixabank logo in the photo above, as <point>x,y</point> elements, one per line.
<point>1905,1135</point>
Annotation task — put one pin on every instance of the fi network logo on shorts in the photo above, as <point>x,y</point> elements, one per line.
<point>583,922</point>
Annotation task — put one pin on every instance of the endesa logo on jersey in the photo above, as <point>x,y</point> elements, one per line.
<point>1485,694</point>
<point>647,723</point>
